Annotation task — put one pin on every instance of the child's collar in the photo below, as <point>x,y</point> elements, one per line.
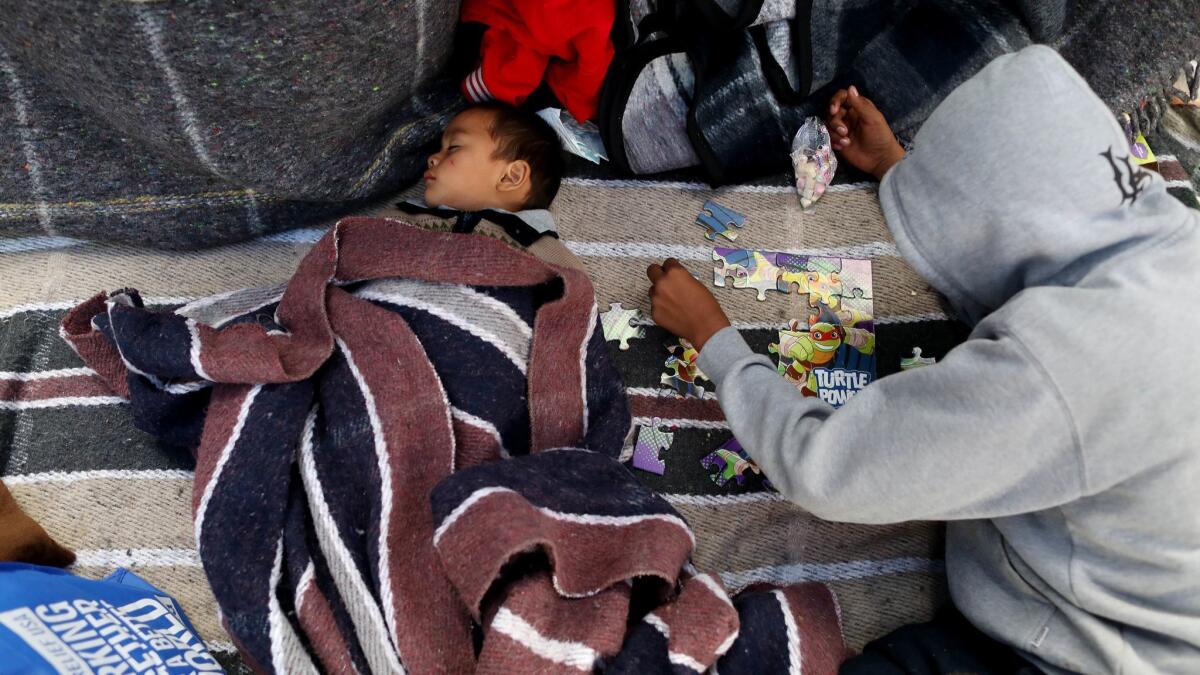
<point>525,226</point>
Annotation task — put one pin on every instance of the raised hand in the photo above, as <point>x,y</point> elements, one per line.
<point>860,134</point>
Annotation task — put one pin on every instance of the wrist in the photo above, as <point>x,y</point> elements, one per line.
<point>891,158</point>
<point>705,332</point>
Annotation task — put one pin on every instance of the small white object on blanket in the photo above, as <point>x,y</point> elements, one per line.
<point>813,160</point>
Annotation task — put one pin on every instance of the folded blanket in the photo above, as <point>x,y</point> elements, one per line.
<point>411,449</point>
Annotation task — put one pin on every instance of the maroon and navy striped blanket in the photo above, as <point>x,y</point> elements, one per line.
<point>406,461</point>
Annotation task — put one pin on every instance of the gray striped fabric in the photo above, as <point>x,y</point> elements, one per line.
<point>193,124</point>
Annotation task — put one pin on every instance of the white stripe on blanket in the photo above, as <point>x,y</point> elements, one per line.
<point>793,634</point>
<point>580,518</point>
<point>234,435</point>
<point>573,654</point>
<point>382,454</point>
<point>369,624</point>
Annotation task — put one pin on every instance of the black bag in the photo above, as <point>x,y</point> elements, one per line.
<point>742,109</point>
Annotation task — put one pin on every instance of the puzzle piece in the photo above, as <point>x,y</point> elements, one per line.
<point>916,360</point>
<point>803,350</point>
<point>617,323</point>
<point>762,277</point>
<point>730,462</point>
<point>826,281</point>
<point>749,269</point>
<point>651,442</point>
<point>717,219</point>
<point>856,278</point>
<point>732,262</point>
<point>684,371</point>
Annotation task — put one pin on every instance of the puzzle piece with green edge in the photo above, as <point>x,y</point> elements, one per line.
<point>617,323</point>
<point>730,462</point>
<point>916,360</point>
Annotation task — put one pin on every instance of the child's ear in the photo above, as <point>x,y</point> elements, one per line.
<point>515,176</point>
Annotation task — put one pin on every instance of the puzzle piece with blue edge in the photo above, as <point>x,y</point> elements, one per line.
<point>617,324</point>
<point>651,442</point>
<point>730,462</point>
<point>717,219</point>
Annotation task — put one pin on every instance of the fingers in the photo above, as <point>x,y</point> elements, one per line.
<point>654,272</point>
<point>835,103</point>
<point>837,125</point>
<point>859,105</point>
<point>670,263</point>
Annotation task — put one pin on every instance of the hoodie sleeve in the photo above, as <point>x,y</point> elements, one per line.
<point>982,434</point>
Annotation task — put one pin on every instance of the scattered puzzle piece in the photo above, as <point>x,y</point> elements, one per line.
<point>730,462</point>
<point>916,360</point>
<point>717,219</point>
<point>684,370</point>
<point>617,323</point>
<point>651,442</point>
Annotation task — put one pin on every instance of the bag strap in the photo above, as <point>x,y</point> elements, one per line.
<point>801,30</point>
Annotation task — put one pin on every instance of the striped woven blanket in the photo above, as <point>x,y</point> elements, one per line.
<point>75,461</point>
<point>402,446</point>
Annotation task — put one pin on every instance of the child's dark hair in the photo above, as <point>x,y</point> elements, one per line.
<point>520,134</point>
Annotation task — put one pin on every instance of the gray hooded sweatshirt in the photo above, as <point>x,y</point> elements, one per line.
<point>1062,440</point>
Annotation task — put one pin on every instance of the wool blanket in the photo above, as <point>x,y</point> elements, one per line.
<point>198,123</point>
<point>400,446</point>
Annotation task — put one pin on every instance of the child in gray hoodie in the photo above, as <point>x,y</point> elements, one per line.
<point>1061,441</point>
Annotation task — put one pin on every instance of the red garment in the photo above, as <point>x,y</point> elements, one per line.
<point>567,41</point>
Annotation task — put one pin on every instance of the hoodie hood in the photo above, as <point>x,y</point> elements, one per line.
<point>1042,195</point>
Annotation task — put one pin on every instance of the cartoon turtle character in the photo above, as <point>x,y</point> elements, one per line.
<point>800,351</point>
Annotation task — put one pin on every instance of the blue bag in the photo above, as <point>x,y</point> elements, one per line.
<point>54,622</point>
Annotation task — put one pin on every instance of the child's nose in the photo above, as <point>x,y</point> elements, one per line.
<point>431,162</point>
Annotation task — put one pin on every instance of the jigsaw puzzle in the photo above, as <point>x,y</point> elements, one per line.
<point>684,371</point>
<point>717,219</point>
<point>617,323</point>
<point>824,280</point>
<point>651,442</point>
<point>729,462</point>
<point>831,358</point>
<point>916,360</point>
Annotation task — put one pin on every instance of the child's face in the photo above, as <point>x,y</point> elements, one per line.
<point>463,174</point>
